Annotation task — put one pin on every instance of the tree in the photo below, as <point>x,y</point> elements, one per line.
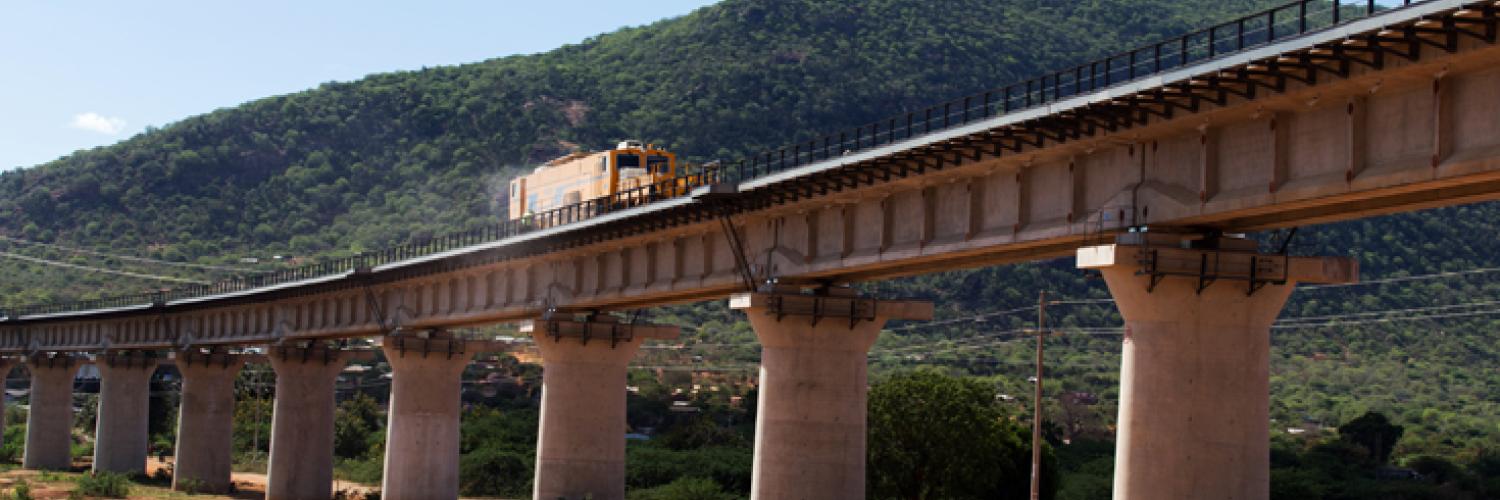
<point>355,426</point>
<point>936,436</point>
<point>1375,433</point>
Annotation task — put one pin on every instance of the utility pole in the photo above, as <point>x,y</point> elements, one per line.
<point>1036,406</point>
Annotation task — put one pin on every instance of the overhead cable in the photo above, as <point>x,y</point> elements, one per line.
<point>99,269</point>
<point>132,258</point>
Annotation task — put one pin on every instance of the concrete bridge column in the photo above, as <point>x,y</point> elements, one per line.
<point>580,449</point>
<point>205,421</point>
<point>1194,376</point>
<point>5,365</point>
<point>301,464</point>
<point>121,426</point>
<point>810,420</point>
<point>49,429</point>
<point>421,444</point>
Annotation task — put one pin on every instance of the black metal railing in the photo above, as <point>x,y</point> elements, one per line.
<point>1279,23</point>
<point>1276,24</point>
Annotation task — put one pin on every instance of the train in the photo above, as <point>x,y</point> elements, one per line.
<point>631,168</point>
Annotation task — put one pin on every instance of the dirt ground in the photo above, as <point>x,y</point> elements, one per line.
<point>57,485</point>
<point>252,485</point>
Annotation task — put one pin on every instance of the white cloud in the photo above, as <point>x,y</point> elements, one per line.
<point>95,122</point>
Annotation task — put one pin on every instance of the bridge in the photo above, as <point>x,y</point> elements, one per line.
<point>1144,165</point>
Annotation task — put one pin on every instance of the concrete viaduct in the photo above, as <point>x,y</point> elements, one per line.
<point>1144,165</point>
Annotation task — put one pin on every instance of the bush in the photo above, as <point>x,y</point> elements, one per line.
<point>15,443</point>
<point>104,484</point>
<point>251,461</point>
<point>364,471</point>
<point>22,491</point>
<point>494,473</point>
<point>191,486</point>
<point>651,466</point>
<point>83,450</point>
<point>687,488</point>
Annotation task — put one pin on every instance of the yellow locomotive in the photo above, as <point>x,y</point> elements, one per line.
<point>581,176</point>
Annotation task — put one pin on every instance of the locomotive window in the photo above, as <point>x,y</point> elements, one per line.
<point>627,161</point>
<point>658,164</point>
<point>603,164</point>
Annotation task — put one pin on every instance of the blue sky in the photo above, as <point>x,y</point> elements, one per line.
<point>79,74</point>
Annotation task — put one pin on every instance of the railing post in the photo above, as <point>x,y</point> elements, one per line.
<point>1271,26</point>
<point>1302,17</point>
<point>1184,51</point>
<point>1239,25</point>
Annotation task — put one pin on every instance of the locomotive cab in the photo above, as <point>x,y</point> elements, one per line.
<point>629,168</point>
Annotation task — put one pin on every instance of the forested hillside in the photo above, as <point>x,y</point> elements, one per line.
<point>370,163</point>
<point>394,157</point>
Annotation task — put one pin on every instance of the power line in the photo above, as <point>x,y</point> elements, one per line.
<point>132,258</point>
<point>147,260</point>
<point>1390,320</point>
<point>1399,279</point>
<point>1304,319</point>
<point>37,260</point>
<point>986,315</point>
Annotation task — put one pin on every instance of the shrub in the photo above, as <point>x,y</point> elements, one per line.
<point>83,450</point>
<point>15,443</point>
<point>687,488</point>
<point>252,461</point>
<point>191,486</point>
<point>104,484</point>
<point>494,472</point>
<point>22,491</point>
<point>364,471</point>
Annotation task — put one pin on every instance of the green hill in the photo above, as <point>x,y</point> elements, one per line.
<point>379,161</point>
<point>395,157</point>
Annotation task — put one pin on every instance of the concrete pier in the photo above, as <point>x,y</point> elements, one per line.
<point>301,464</point>
<point>205,421</point>
<point>5,365</point>
<point>121,427</point>
<point>810,419</point>
<point>1194,375</point>
<point>581,440</point>
<point>421,444</point>
<point>49,429</point>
